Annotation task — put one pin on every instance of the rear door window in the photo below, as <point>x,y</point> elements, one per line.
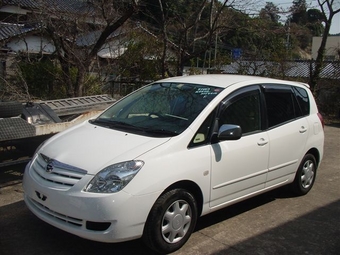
<point>281,104</point>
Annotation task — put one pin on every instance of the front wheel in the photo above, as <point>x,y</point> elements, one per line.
<point>305,175</point>
<point>171,221</point>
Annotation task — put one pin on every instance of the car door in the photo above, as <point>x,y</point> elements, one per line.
<point>287,132</point>
<point>239,168</point>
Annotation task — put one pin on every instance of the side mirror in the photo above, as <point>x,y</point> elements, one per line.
<point>229,132</point>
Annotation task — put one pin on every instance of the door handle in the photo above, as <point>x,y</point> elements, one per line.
<point>262,142</point>
<point>303,129</point>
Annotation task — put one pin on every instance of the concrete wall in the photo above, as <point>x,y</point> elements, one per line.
<point>332,47</point>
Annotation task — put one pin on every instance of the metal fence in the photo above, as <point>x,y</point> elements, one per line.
<point>327,91</point>
<point>301,69</point>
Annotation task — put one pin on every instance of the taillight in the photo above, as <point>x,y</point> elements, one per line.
<point>321,120</point>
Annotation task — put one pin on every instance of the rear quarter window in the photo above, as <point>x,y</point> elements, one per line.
<point>303,100</point>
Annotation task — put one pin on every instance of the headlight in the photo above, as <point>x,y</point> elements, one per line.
<point>114,177</point>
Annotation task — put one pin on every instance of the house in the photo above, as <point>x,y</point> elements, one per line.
<point>20,33</point>
<point>23,33</point>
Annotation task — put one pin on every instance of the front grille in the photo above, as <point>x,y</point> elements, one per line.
<point>63,176</point>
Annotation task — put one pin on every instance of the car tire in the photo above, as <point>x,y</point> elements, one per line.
<point>171,221</point>
<point>10,109</point>
<point>305,175</point>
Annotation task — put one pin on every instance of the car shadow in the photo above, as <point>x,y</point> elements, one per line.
<point>316,232</point>
<point>242,207</point>
<point>19,226</point>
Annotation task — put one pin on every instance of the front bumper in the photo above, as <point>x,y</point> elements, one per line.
<point>111,218</point>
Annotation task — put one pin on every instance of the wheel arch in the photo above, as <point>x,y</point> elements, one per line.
<point>315,152</point>
<point>191,187</point>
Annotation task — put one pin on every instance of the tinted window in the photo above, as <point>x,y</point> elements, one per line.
<point>303,100</point>
<point>244,111</point>
<point>281,105</point>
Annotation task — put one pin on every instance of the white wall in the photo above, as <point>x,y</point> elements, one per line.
<point>13,9</point>
<point>31,44</point>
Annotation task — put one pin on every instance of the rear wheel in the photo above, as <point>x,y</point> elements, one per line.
<point>305,175</point>
<point>171,221</point>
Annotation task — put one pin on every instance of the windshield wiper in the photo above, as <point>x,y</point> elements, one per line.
<point>161,132</point>
<point>111,124</point>
<point>121,124</point>
<point>99,122</point>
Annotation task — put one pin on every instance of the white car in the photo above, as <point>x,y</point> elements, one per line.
<point>172,151</point>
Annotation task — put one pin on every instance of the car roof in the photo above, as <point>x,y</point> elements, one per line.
<point>226,80</point>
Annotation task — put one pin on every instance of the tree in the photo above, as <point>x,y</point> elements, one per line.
<point>329,9</point>
<point>303,24</point>
<point>189,29</point>
<point>270,11</point>
<point>314,19</point>
<point>80,34</point>
<point>299,12</point>
<point>259,37</point>
<point>140,62</point>
<point>178,23</point>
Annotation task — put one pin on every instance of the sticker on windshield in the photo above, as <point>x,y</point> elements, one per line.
<point>208,91</point>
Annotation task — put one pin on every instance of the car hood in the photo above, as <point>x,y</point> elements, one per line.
<point>92,147</point>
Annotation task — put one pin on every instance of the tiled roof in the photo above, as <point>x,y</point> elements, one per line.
<point>12,30</point>
<point>91,37</point>
<point>31,4</point>
<point>73,6</point>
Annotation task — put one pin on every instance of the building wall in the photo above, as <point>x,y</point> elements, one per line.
<point>13,9</point>
<point>332,47</point>
<point>31,44</point>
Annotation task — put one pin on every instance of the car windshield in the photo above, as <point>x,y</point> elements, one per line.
<point>159,109</point>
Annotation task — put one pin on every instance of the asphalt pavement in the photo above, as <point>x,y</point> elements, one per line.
<point>273,223</point>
